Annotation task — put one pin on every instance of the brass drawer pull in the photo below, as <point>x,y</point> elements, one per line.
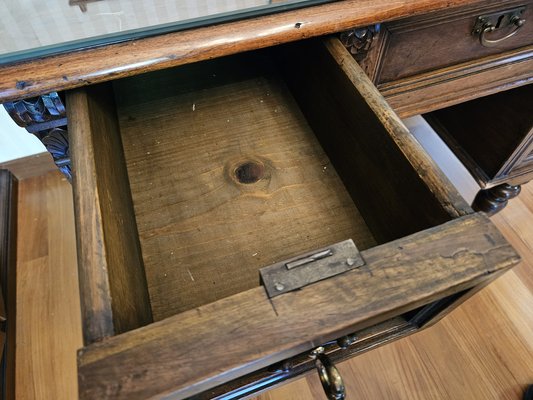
<point>517,22</point>
<point>486,24</point>
<point>329,375</point>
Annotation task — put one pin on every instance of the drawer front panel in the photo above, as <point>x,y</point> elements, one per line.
<point>422,44</point>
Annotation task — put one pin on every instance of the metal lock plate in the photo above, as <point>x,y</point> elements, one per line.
<point>311,267</point>
<point>498,20</point>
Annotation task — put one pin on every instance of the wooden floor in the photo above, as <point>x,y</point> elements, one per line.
<point>482,350</point>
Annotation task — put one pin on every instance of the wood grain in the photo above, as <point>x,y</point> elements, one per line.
<point>383,166</point>
<point>204,234</point>
<point>8,281</point>
<point>437,40</point>
<point>67,71</point>
<point>112,280</point>
<point>458,83</point>
<point>482,350</point>
<point>48,317</point>
<point>493,326</point>
<point>259,331</point>
<point>27,167</point>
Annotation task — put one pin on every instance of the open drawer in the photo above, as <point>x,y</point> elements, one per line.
<point>189,181</point>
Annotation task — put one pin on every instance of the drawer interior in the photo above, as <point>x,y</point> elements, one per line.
<point>227,175</point>
<point>189,180</point>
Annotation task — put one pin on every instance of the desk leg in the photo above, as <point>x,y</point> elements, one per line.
<point>496,198</point>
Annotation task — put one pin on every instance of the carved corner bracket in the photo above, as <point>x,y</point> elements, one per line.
<point>45,117</point>
<point>358,41</point>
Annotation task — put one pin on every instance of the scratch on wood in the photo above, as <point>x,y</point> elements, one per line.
<point>273,307</point>
<point>189,271</point>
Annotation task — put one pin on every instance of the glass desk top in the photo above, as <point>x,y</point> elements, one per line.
<point>36,28</point>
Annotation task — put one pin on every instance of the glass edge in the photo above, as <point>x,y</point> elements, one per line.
<point>141,33</point>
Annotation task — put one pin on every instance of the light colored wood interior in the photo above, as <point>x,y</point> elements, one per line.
<point>48,303</point>
<point>203,233</point>
<point>482,350</point>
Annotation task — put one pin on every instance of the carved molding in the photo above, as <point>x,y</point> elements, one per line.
<point>38,113</point>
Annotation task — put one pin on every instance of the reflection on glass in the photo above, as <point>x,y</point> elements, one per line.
<point>30,28</point>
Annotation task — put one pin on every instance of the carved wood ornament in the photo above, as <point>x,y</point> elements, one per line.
<point>45,116</point>
<point>358,41</point>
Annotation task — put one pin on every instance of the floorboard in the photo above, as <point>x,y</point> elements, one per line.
<point>482,350</point>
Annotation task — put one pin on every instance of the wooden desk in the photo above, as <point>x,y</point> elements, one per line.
<point>243,340</point>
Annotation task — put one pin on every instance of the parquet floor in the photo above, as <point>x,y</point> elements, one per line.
<point>483,350</point>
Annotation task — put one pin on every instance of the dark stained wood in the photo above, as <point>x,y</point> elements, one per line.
<point>67,71</point>
<point>386,171</point>
<point>8,280</point>
<point>113,289</point>
<point>258,332</point>
<point>458,83</point>
<point>495,199</point>
<point>206,225</point>
<point>279,374</point>
<point>359,41</point>
<point>491,135</point>
<point>38,113</point>
<point>437,40</point>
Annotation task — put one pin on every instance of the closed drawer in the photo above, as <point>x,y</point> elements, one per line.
<point>432,61</point>
<point>493,135</point>
<point>189,182</point>
<point>420,44</point>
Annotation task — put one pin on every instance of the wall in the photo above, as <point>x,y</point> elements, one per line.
<point>16,142</point>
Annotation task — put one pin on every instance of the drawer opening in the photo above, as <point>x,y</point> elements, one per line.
<point>234,164</point>
<point>188,181</point>
<point>196,177</point>
<point>490,135</point>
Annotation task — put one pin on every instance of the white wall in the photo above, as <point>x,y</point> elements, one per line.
<point>16,142</point>
<point>443,157</point>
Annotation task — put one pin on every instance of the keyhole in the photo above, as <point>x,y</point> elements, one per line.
<point>499,23</point>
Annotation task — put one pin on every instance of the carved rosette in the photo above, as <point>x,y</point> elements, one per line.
<point>358,41</point>
<point>56,142</point>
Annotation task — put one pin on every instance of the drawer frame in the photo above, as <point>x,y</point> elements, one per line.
<point>127,356</point>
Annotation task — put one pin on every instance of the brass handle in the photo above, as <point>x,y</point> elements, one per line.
<point>329,376</point>
<point>516,21</point>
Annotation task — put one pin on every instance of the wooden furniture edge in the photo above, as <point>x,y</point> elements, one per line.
<point>258,331</point>
<point>430,173</point>
<point>8,250</point>
<point>301,365</point>
<point>113,289</point>
<point>27,167</point>
<point>99,64</point>
<point>459,83</point>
